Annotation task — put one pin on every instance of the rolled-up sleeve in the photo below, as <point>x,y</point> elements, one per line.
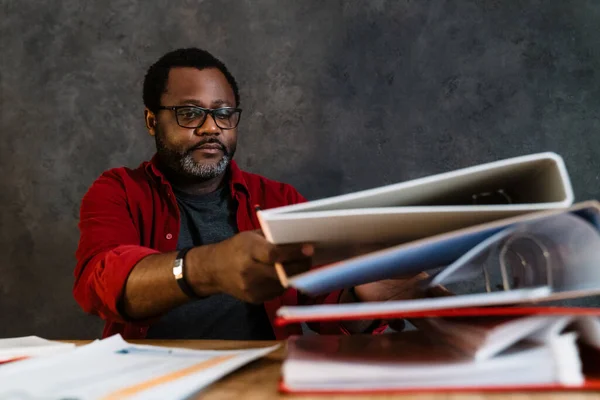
<point>109,248</point>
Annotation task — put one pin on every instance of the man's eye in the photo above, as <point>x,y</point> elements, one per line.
<point>223,114</point>
<point>190,114</point>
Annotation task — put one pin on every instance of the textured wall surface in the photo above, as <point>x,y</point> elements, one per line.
<point>337,96</point>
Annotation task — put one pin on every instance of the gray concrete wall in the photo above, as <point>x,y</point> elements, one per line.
<point>337,96</point>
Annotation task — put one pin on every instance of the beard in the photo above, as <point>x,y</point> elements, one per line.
<point>182,161</point>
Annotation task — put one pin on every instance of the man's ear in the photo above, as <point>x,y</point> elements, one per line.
<point>150,121</point>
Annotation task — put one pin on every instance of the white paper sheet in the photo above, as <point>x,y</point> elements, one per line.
<point>114,369</point>
<point>30,346</point>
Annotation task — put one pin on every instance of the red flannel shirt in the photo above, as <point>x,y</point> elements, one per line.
<point>128,214</point>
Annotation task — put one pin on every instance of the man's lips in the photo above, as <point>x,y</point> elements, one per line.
<point>211,148</point>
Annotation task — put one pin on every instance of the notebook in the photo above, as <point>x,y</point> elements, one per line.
<point>542,353</point>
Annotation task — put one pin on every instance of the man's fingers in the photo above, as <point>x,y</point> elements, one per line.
<point>268,292</point>
<point>287,253</point>
<point>265,284</point>
<point>297,267</point>
<point>269,253</point>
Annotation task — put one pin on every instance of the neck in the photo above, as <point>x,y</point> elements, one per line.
<point>196,187</point>
<point>192,185</point>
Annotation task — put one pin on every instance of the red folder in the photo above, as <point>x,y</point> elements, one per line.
<point>453,312</point>
<point>590,357</point>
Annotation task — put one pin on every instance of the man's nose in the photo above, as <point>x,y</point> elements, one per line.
<point>209,127</point>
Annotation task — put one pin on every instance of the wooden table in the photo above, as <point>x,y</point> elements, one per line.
<point>259,380</point>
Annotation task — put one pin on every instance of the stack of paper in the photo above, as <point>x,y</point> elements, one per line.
<point>114,369</point>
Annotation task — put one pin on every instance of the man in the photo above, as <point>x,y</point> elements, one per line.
<point>172,249</point>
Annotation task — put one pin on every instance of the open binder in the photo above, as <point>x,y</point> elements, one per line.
<point>550,255</point>
<point>524,267</point>
<point>425,254</point>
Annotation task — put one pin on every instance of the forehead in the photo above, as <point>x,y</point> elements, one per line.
<point>207,86</point>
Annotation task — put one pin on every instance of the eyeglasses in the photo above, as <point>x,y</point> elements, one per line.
<point>193,117</point>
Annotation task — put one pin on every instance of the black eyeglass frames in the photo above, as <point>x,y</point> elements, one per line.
<point>194,116</point>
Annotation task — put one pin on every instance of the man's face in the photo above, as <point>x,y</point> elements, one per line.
<point>205,152</point>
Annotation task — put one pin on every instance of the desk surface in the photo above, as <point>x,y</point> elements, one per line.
<point>259,380</point>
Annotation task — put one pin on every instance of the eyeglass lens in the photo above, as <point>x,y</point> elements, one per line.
<point>193,117</point>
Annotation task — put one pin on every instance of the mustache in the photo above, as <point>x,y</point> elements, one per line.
<point>208,141</point>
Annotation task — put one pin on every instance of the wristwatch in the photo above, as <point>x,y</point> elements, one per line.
<point>179,274</point>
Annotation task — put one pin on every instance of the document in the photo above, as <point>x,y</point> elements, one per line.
<point>18,348</point>
<point>112,369</point>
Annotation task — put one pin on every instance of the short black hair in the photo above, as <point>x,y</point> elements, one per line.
<point>158,73</point>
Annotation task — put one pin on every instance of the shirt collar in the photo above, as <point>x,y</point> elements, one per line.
<point>236,176</point>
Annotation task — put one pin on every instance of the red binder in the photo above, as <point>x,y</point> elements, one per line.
<point>453,312</point>
<point>589,356</point>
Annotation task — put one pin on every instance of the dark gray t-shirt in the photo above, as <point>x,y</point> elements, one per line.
<point>210,219</point>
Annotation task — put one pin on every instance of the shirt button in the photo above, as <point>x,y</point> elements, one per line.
<point>169,236</point>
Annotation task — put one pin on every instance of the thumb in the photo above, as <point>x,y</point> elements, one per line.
<point>258,232</point>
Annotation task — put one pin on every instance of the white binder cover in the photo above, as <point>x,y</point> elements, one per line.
<point>420,208</point>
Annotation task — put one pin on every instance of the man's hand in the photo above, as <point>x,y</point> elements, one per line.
<point>404,288</point>
<point>243,266</point>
